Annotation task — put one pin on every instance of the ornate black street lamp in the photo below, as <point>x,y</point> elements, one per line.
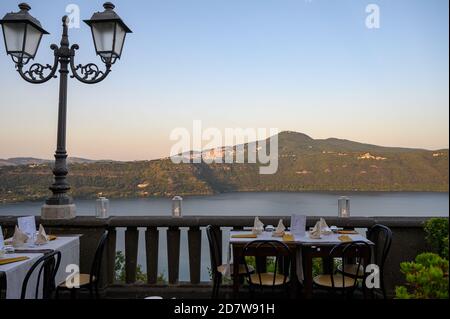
<point>22,34</point>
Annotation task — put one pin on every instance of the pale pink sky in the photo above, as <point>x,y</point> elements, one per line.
<point>312,67</point>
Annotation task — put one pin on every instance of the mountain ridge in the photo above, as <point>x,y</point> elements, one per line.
<point>18,161</point>
<point>330,142</point>
<point>304,164</point>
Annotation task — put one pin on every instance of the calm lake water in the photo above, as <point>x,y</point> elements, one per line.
<point>252,204</point>
<point>249,204</point>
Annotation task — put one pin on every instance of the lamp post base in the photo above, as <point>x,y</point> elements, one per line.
<point>58,211</point>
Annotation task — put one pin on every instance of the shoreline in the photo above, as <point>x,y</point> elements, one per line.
<point>192,195</point>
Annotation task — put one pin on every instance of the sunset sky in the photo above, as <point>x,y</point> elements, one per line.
<point>302,65</point>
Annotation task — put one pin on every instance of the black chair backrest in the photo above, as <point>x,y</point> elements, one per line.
<point>347,253</point>
<point>381,236</point>
<point>47,266</point>
<point>97,262</point>
<point>280,253</point>
<point>214,249</point>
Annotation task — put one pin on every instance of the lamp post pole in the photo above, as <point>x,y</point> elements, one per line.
<point>60,187</point>
<point>108,32</point>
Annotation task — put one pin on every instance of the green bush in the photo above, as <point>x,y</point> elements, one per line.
<point>270,263</point>
<point>437,235</point>
<point>140,275</point>
<point>316,265</point>
<point>427,278</point>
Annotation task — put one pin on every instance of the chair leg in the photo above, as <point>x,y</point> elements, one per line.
<point>364,288</point>
<point>213,292</point>
<point>73,293</point>
<point>383,290</point>
<point>219,281</point>
<point>91,292</point>
<point>252,291</point>
<point>216,285</point>
<point>288,291</point>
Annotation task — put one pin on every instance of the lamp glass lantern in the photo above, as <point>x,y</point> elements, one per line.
<point>176,206</point>
<point>102,207</point>
<point>108,33</point>
<point>22,33</point>
<point>344,206</point>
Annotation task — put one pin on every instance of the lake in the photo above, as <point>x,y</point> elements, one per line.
<point>252,204</point>
<point>314,203</point>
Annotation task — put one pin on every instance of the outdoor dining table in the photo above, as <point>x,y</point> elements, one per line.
<point>12,275</point>
<point>303,248</point>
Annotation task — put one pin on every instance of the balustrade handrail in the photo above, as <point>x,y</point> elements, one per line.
<point>220,221</point>
<point>408,238</point>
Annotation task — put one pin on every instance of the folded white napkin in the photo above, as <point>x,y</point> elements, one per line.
<point>315,232</point>
<point>324,229</point>
<point>41,238</point>
<point>19,238</point>
<point>258,227</point>
<point>279,231</point>
<point>321,228</point>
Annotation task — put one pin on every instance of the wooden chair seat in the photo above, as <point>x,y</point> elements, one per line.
<point>85,279</point>
<point>242,270</point>
<point>325,281</point>
<point>352,270</point>
<point>267,279</point>
<point>95,273</point>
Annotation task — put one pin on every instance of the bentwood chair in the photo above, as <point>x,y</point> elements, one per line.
<point>262,279</point>
<point>217,268</point>
<point>90,281</point>
<point>46,266</point>
<point>381,236</point>
<point>344,254</point>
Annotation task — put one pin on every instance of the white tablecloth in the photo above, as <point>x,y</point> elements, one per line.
<point>299,240</point>
<point>16,272</point>
<point>70,254</point>
<point>326,239</point>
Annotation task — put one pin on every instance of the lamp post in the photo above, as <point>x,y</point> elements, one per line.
<point>23,34</point>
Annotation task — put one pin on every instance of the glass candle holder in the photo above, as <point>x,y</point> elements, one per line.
<point>344,207</point>
<point>176,206</point>
<point>101,207</point>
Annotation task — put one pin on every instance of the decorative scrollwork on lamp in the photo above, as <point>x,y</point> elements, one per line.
<point>36,72</point>
<point>89,73</point>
